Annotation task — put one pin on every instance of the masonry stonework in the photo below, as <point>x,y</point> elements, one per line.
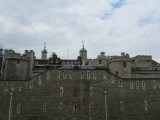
<point>61,89</point>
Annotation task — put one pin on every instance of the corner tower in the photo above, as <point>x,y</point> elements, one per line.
<point>44,53</point>
<point>83,54</point>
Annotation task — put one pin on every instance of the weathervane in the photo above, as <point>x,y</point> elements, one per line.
<point>44,45</point>
<point>83,44</point>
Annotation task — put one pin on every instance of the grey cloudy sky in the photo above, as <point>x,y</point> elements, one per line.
<point>112,26</point>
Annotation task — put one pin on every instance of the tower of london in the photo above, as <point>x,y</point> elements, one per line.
<point>105,88</point>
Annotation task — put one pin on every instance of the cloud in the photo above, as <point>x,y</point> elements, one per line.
<point>112,26</point>
<point>117,3</point>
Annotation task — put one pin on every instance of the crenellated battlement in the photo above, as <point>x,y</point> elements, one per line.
<point>11,54</point>
<point>124,57</point>
<point>143,57</point>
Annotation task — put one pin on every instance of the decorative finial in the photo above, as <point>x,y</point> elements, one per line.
<point>83,44</point>
<point>44,45</point>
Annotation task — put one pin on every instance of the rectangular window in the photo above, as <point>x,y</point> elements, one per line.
<point>6,87</point>
<point>70,76</point>
<point>154,84</point>
<point>88,75</point>
<point>13,87</point>
<point>131,85</point>
<point>91,91</point>
<point>100,62</point>
<point>74,118</point>
<point>61,92</point>
<point>48,76</point>
<point>31,85</point>
<point>39,80</point>
<point>72,63</point>
<point>121,104</point>
<point>18,108</point>
<point>60,106</point>
<point>44,107</point>
<point>64,75</point>
<point>124,64</point>
<point>137,84</point>
<point>82,75</point>
<point>91,106</point>
<point>104,76</point>
<point>58,75</point>
<point>63,63</point>
<point>18,61</point>
<point>112,79</point>
<point>67,63</point>
<point>145,105</point>
<point>94,75</point>
<point>143,85</point>
<point>120,83</point>
<point>20,88</point>
<point>74,108</point>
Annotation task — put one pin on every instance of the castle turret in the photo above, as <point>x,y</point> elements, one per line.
<point>16,66</point>
<point>120,65</point>
<point>44,53</point>
<point>83,54</point>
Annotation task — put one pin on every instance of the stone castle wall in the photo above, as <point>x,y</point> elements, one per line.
<point>79,94</point>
